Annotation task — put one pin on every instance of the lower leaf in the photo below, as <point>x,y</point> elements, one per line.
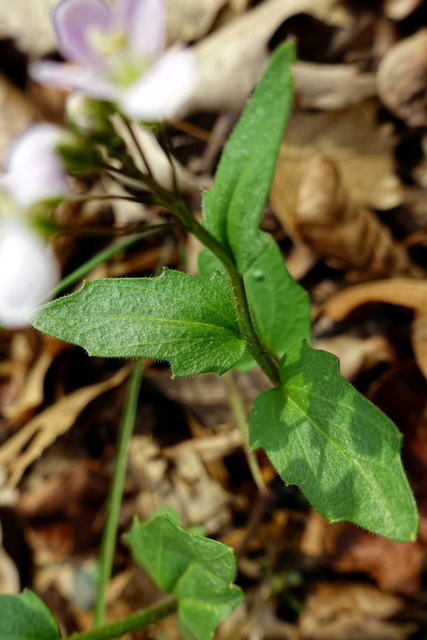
<point>337,447</point>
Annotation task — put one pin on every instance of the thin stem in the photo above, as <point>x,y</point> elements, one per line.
<point>139,148</point>
<point>116,492</point>
<point>135,622</point>
<point>102,256</point>
<point>267,361</point>
<point>239,413</point>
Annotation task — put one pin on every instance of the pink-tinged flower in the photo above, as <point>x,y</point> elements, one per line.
<point>29,271</point>
<point>34,171</point>
<point>119,56</point>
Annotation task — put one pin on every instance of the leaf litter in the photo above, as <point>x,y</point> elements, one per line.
<point>349,210</point>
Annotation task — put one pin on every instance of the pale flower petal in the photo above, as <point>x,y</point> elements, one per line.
<point>164,89</point>
<point>144,22</point>
<point>33,170</point>
<point>29,271</point>
<point>70,77</point>
<point>73,20</point>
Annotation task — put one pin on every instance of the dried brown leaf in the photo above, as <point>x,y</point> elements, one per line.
<point>351,612</point>
<point>395,566</point>
<point>232,59</point>
<point>399,291</point>
<point>401,79</point>
<point>334,226</point>
<point>42,430</point>
<point>331,87</point>
<point>400,9</point>
<point>356,354</point>
<point>360,148</point>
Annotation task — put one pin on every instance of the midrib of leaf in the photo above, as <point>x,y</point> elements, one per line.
<point>352,458</point>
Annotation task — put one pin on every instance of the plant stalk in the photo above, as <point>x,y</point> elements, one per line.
<point>135,622</point>
<point>116,492</point>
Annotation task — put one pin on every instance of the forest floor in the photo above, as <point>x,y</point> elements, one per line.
<point>349,209</point>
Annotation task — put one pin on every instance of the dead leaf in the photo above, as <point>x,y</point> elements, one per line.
<point>331,86</point>
<point>16,110</point>
<point>42,430</point>
<point>232,59</point>
<point>400,9</point>
<point>400,291</point>
<point>189,20</point>
<point>33,35</point>
<point>401,79</point>
<point>356,354</point>
<point>351,612</point>
<point>395,566</point>
<point>361,149</point>
<point>333,225</point>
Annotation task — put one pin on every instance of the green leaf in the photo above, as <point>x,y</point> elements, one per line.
<point>280,307</point>
<point>233,209</point>
<point>204,601</point>
<point>341,450</point>
<point>198,571</point>
<point>26,617</point>
<point>187,320</point>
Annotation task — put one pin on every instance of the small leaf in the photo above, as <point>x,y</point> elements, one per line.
<point>187,320</point>
<point>232,210</point>
<point>26,617</point>
<point>198,571</point>
<point>280,307</point>
<point>204,601</point>
<point>341,450</point>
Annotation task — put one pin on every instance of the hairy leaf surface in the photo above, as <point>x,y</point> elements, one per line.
<point>187,320</point>
<point>232,210</point>
<point>341,450</point>
<point>198,571</point>
<point>26,617</point>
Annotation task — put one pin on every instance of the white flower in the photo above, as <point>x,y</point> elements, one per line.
<point>33,169</point>
<point>28,269</point>
<point>118,55</point>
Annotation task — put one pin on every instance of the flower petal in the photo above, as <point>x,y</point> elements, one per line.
<point>144,21</point>
<point>29,272</point>
<point>33,170</point>
<point>162,91</point>
<point>70,77</point>
<point>72,20</point>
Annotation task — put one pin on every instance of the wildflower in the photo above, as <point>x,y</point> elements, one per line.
<point>28,269</point>
<point>119,56</point>
<point>33,170</point>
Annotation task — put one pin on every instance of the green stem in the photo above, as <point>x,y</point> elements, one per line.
<point>267,361</point>
<point>239,413</point>
<point>116,492</point>
<point>103,256</point>
<point>135,622</point>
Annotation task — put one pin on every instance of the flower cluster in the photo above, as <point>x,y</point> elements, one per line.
<point>117,56</point>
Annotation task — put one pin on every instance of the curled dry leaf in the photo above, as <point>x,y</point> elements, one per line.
<point>42,430</point>
<point>400,9</point>
<point>330,87</point>
<point>232,59</point>
<point>355,142</point>
<point>399,291</point>
<point>356,354</point>
<point>402,79</point>
<point>334,226</point>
